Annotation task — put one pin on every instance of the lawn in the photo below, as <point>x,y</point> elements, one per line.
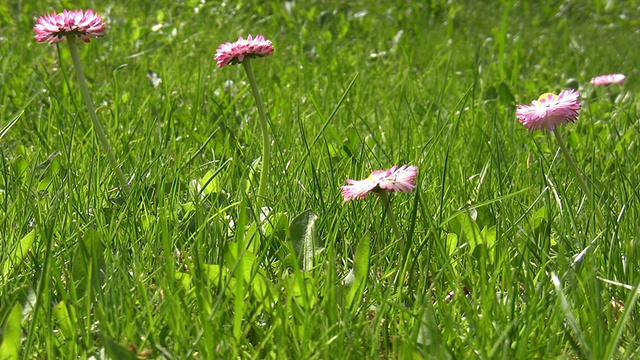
<point>498,252</point>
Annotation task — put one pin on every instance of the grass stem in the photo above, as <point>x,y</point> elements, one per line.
<point>97,127</point>
<point>266,142</point>
<point>578,176</point>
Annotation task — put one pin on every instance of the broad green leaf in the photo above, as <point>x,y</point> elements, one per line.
<point>356,281</point>
<point>23,295</point>
<point>114,350</point>
<point>539,218</point>
<point>252,239</point>
<point>484,217</point>
<point>488,236</point>
<point>539,222</point>
<point>21,165</point>
<point>15,258</point>
<point>304,236</point>
<point>235,258</point>
<point>255,165</point>
<point>506,97</point>
<point>88,266</point>
<point>302,289</point>
<point>148,222</point>
<point>429,343</point>
<point>465,227</point>
<point>66,318</point>
<point>209,183</point>
<point>214,273</point>
<point>124,98</point>
<point>276,226</point>
<point>11,334</point>
<point>50,168</point>
<point>252,274</point>
<point>490,93</point>
<point>452,243</point>
<point>471,232</point>
<point>15,309</point>
<point>50,162</point>
<point>184,279</point>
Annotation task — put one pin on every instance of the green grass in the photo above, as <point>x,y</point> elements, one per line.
<point>505,258</point>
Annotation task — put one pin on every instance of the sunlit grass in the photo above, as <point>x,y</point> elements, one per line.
<point>505,256</point>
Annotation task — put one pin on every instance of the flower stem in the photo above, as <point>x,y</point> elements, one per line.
<point>387,207</point>
<point>73,48</point>
<point>576,173</point>
<point>266,142</point>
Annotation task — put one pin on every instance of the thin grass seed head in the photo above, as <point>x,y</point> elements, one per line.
<point>550,111</point>
<point>394,179</point>
<point>234,53</point>
<point>54,28</point>
<point>604,80</point>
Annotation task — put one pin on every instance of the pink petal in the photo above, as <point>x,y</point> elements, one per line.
<point>235,53</point>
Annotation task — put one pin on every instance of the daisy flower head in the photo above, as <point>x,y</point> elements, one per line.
<point>53,28</point>
<point>609,79</point>
<point>550,111</point>
<point>234,53</point>
<point>394,179</point>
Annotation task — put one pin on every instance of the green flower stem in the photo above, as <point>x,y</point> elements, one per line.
<point>402,263</point>
<point>266,142</point>
<point>73,48</point>
<point>387,207</point>
<point>576,173</point>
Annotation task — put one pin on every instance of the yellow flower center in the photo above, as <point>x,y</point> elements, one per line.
<point>546,95</point>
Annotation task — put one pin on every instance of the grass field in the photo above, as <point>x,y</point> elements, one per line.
<point>501,254</point>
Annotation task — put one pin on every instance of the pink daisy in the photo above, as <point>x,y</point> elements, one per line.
<point>53,28</point>
<point>550,111</point>
<point>234,53</point>
<point>603,80</point>
<point>394,179</point>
